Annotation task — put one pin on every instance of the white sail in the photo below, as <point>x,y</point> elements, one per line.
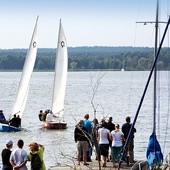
<point>60,77</point>
<point>23,89</point>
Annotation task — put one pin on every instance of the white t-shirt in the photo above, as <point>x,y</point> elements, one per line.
<point>117,138</point>
<point>18,156</point>
<point>49,117</point>
<point>104,134</point>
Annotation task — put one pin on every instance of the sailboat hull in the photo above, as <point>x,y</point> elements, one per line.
<point>8,128</point>
<point>55,125</point>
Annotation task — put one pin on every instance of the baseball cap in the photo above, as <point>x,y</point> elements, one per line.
<point>9,142</point>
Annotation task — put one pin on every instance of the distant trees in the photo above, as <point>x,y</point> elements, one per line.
<point>90,58</point>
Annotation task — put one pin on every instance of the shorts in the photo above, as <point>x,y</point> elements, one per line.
<point>104,149</point>
<point>82,146</point>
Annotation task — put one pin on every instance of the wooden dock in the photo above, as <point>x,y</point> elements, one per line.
<point>94,165</point>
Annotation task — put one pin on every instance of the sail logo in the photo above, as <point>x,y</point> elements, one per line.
<point>62,44</point>
<point>34,44</point>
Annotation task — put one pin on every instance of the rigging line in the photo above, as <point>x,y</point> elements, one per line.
<point>157,74</point>
<point>168,84</point>
<point>142,98</point>
<point>167,118</point>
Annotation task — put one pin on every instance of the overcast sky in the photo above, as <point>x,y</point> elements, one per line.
<point>85,22</point>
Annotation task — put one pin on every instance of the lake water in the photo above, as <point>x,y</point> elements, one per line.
<point>118,95</point>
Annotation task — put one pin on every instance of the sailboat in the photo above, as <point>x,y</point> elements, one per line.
<point>59,86</point>
<point>153,154</point>
<point>23,89</point>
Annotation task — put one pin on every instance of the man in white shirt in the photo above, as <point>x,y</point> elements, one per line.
<point>18,158</point>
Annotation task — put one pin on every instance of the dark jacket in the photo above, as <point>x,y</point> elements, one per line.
<point>81,134</point>
<point>126,128</point>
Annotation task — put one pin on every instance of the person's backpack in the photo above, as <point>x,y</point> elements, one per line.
<point>36,162</point>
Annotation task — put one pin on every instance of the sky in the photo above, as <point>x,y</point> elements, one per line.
<point>85,22</point>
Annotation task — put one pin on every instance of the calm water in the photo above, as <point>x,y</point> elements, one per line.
<point>118,95</point>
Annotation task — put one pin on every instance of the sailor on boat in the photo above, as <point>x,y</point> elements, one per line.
<point>2,117</point>
<point>15,121</point>
<point>50,116</point>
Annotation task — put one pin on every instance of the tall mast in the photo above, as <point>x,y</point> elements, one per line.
<point>156,22</point>
<point>155,69</point>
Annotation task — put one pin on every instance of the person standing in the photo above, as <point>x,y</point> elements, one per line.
<point>110,124</point>
<point>95,129</point>
<point>6,156</point>
<point>81,137</point>
<point>103,139</point>
<point>88,124</point>
<point>117,138</point>
<point>111,127</point>
<point>129,150</point>
<point>36,148</point>
<point>18,158</point>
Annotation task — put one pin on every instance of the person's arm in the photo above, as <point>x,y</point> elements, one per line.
<point>98,137</point>
<point>75,135</point>
<point>40,145</point>
<point>16,167</point>
<point>12,163</point>
<point>110,136</point>
<point>21,164</point>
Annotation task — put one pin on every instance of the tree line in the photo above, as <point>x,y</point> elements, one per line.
<point>89,58</point>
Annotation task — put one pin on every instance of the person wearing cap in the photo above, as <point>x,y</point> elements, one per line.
<point>5,154</point>
<point>36,148</point>
<point>19,158</point>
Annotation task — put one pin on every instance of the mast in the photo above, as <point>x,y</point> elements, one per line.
<point>153,154</point>
<point>155,69</point>
<point>156,22</point>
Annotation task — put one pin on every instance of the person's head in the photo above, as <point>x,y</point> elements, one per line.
<point>20,143</point>
<point>128,119</point>
<point>86,116</point>
<point>110,119</point>
<point>33,146</point>
<point>15,115</point>
<point>41,111</point>
<point>117,126</point>
<point>104,124</point>
<point>80,124</point>
<point>9,144</point>
<point>102,121</point>
<point>1,111</point>
<point>95,121</point>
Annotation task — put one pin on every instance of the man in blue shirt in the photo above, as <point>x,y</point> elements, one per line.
<point>88,124</point>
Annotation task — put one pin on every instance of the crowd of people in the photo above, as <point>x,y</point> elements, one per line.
<point>15,121</point>
<point>101,136</point>
<point>18,158</point>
